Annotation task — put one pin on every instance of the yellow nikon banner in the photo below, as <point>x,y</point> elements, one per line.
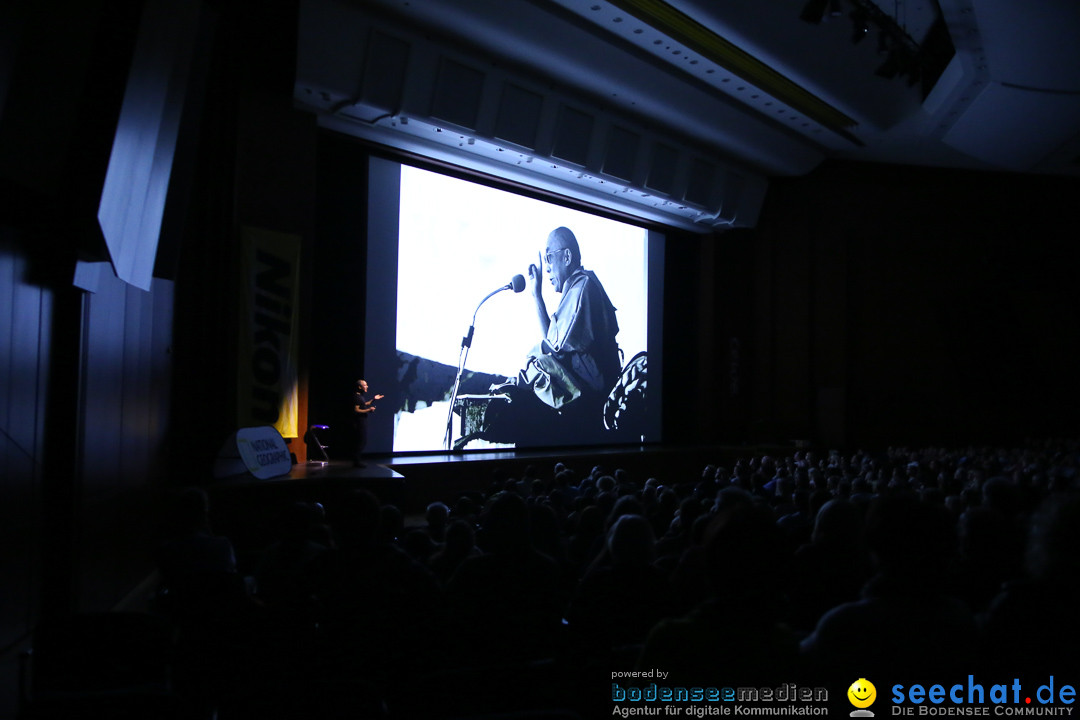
<point>269,328</point>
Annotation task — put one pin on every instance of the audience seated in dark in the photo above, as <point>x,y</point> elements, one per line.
<point>436,516</point>
<point>689,576</point>
<point>391,524</point>
<point>505,605</point>
<point>418,545</point>
<point>831,568</point>
<point>282,572</point>
<point>459,546</point>
<point>208,602</point>
<point>991,554</point>
<point>676,539</point>
<point>378,607</point>
<point>905,624</point>
<point>729,598</point>
<point>798,523</point>
<point>737,634</point>
<point>663,512</point>
<point>586,538</point>
<point>547,534</point>
<point>1035,618</point>
<point>200,583</point>
<point>623,593</point>
<point>189,547</point>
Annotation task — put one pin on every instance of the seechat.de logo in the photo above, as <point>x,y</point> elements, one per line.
<point>862,694</point>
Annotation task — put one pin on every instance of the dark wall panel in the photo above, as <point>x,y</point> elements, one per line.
<point>126,379</point>
<point>339,261</point>
<point>686,415</point>
<point>76,506</point>
<point>24,336</point>
<point>918,305</point>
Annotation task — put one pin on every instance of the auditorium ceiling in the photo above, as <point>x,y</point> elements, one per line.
<point>697,103</point>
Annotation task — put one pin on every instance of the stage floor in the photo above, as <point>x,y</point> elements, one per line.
<point>412,481</point>
<point>340,469</point>
<point>245,507</point>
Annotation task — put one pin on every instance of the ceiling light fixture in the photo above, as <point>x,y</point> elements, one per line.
<point>860,25</point>
<point>903,56</point>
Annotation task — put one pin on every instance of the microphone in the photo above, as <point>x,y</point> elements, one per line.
<point>517,284</point>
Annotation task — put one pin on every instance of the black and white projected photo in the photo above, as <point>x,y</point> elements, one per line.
<point>557,353</point>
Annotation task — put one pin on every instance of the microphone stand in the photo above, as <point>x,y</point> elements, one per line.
<point>466,343</point>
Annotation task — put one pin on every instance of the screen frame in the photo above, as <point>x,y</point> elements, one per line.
<point>381,280</point>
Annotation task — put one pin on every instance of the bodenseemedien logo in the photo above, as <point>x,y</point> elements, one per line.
<point>718,700</point>
<point>862,694</point>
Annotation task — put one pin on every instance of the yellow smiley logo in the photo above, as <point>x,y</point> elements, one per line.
<point>862,693</point>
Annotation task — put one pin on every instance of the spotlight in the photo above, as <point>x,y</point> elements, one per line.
<point>901,54</point>
<point>814,11</point>
<point>860,25</point>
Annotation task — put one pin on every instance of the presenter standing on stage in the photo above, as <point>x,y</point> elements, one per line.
<point>362,407</point>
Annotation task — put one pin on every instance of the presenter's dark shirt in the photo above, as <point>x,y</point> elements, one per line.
<point>359,400</point>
